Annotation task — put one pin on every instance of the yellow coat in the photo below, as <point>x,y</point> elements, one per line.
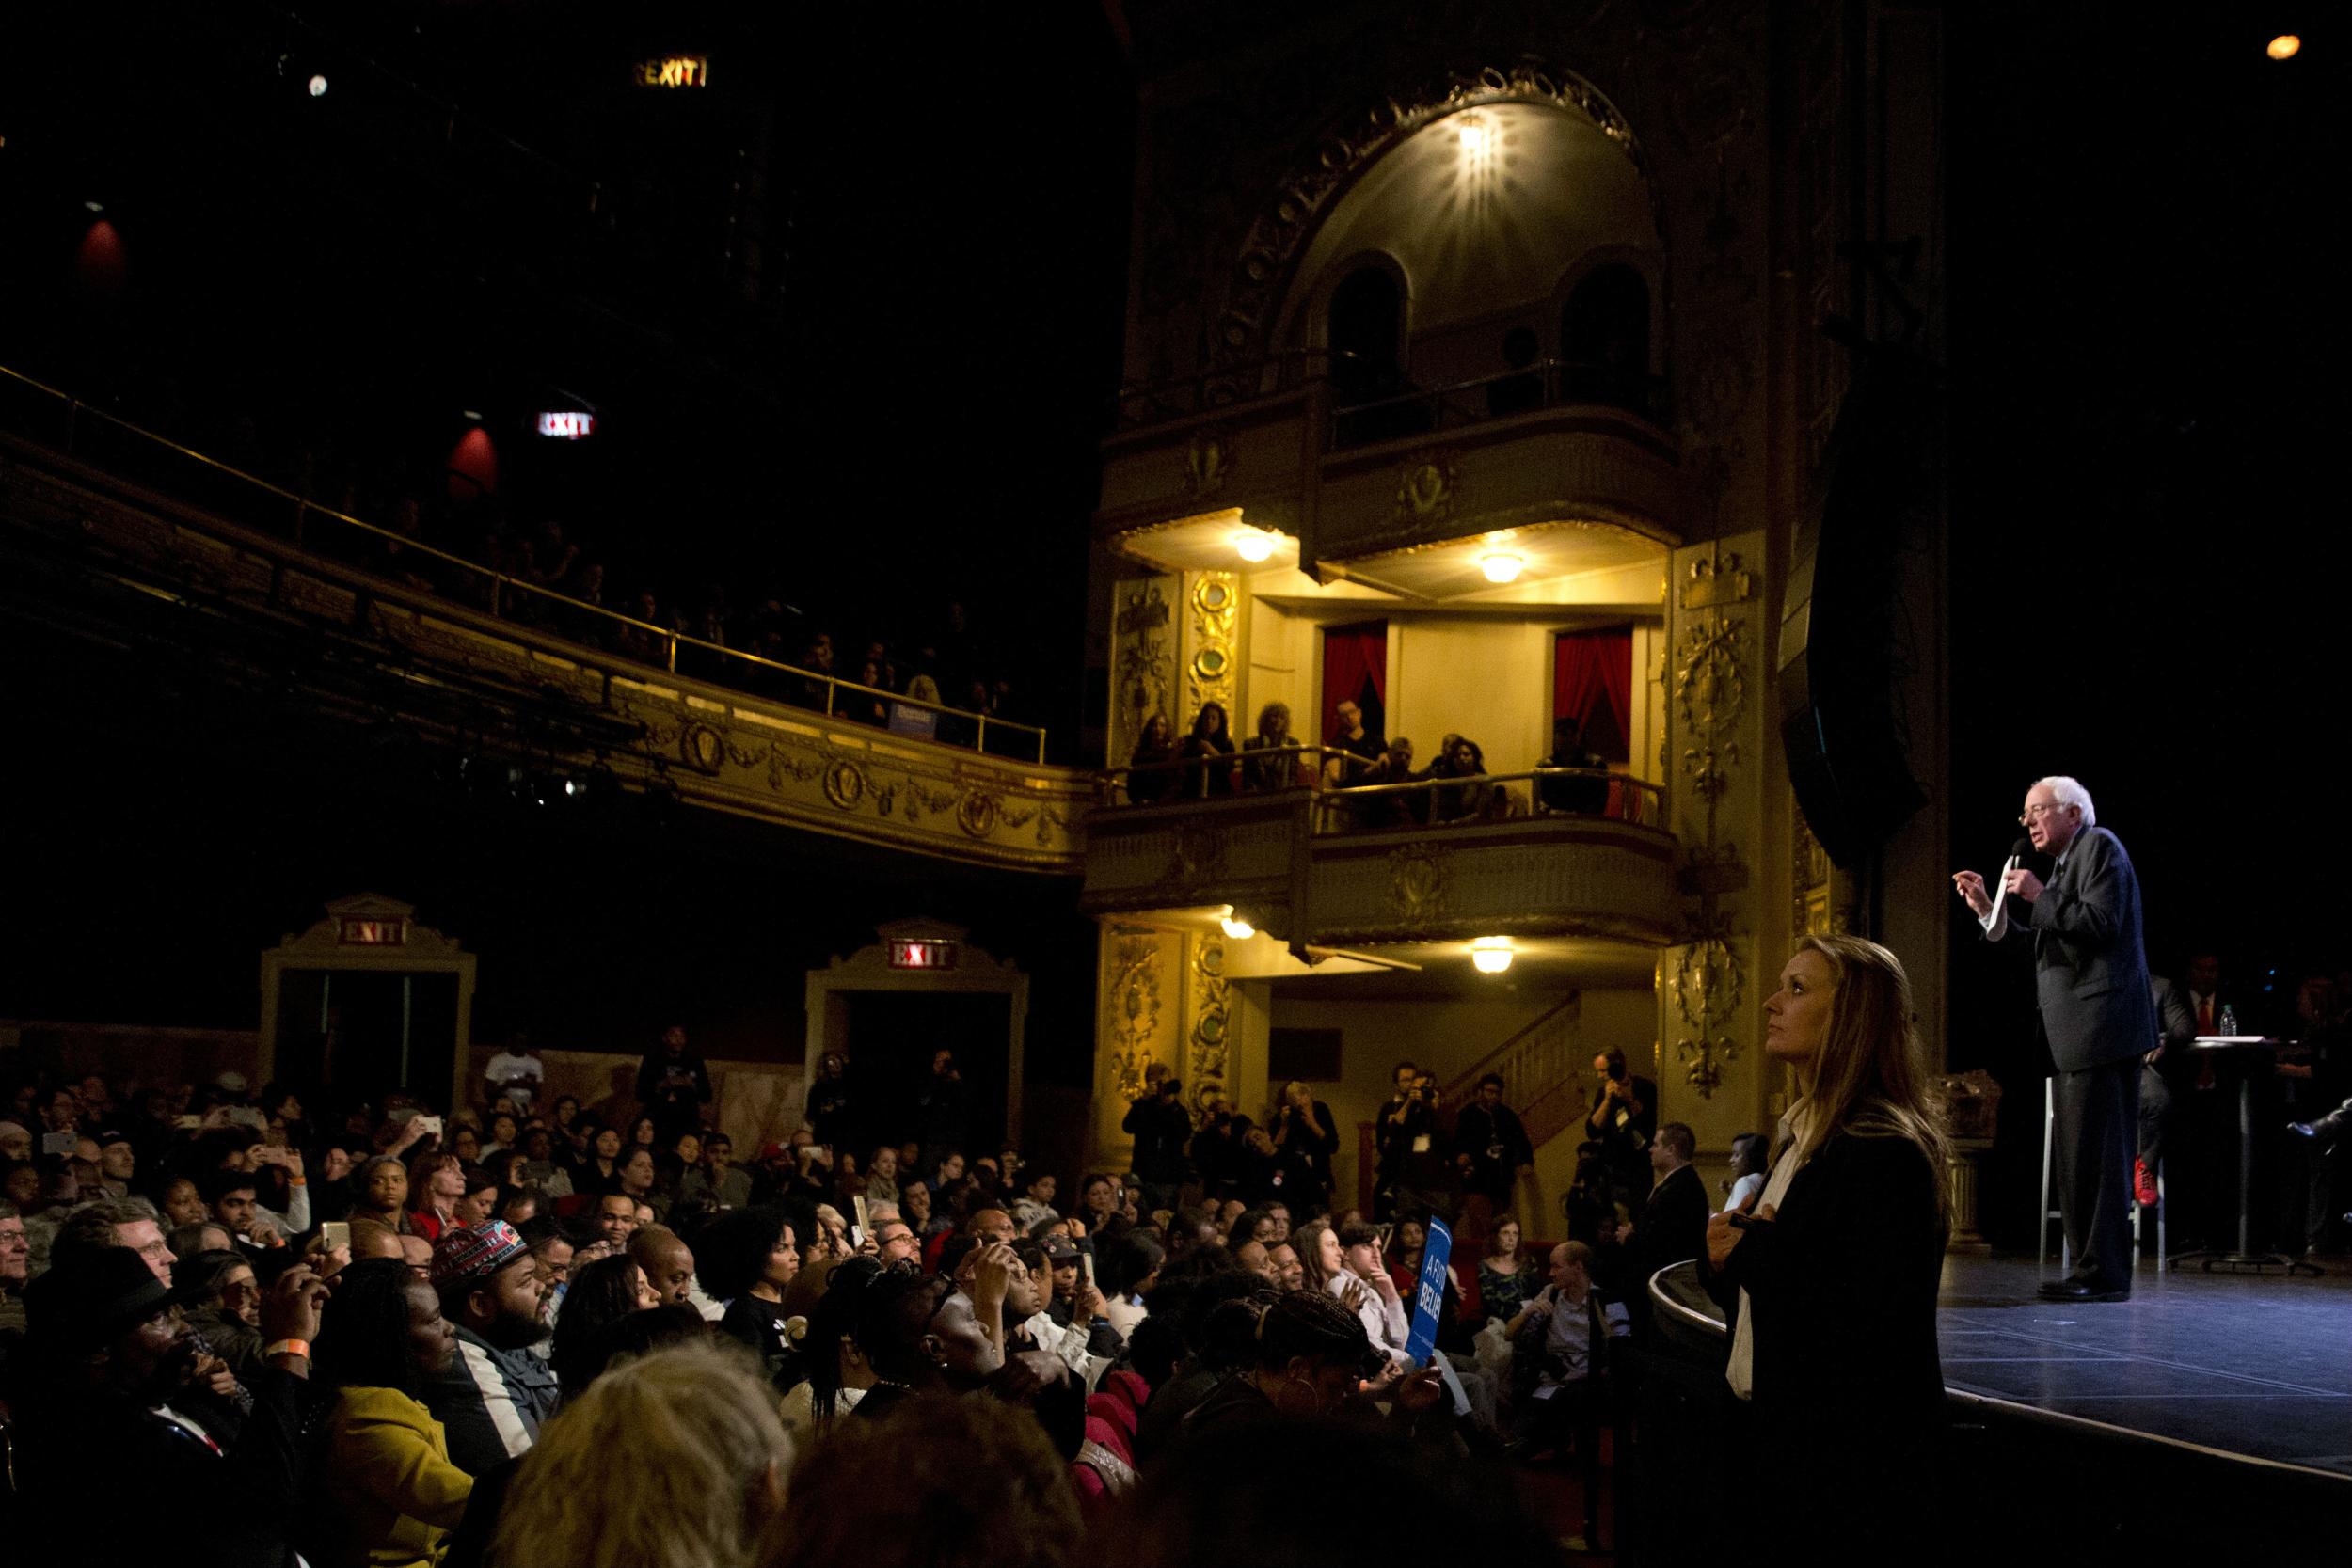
<point>390,1494</point>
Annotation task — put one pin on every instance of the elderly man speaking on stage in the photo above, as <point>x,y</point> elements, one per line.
<point>2091,975</point>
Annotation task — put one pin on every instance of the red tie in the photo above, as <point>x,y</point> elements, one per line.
<point>2205,1015</point>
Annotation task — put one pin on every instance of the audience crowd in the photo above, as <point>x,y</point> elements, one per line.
<point>522,1330</point>
<point>1206,764</point>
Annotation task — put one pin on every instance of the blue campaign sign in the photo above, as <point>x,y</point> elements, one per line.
<point>1429,1295</point>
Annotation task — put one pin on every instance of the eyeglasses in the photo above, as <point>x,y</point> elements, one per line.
<point>2036,813</point>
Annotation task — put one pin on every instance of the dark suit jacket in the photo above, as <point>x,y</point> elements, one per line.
<point>2090,972</point>
<point>1673,1226</point>
<point>2176,1026</point>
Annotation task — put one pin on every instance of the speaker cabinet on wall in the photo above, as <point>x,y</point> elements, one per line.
<point>1844,643</point>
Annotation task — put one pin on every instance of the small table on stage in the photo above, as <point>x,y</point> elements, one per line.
<point>2245,1260</point>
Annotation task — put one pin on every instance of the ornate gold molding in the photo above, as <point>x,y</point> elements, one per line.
<point>1132,1004</point>
<point>1211,1052</point>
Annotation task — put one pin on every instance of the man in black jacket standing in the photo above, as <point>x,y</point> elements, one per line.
<point>1673,1226</point>
<point>1491,1147</point>
<point>2098,1013</point>
<point>1161,1128</point>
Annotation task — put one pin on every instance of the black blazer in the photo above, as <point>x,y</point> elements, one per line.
<point>1842,1284</point>
<point>1673,1226</point>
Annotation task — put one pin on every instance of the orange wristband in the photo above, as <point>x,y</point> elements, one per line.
<point>288,1347</point>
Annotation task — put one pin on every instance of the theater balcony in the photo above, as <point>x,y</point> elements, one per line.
<point>1352,478</point>
<point>113,540</point>
<point>1380,876</point>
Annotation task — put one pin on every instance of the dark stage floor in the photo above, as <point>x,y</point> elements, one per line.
<point>2254,1366</point>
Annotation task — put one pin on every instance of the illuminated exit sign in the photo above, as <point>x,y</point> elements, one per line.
<point>569,424</point>
<point>357,932</point>
<point>674,70</point>
<point>922,955</point>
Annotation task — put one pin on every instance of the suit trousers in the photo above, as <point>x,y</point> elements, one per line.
<point>2097,1115</point>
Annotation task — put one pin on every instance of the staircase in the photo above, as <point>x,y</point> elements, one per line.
<point>1544,1071</point>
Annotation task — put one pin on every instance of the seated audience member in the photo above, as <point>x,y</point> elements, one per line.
<point>114,1223</point>
<point>1585,797</point>
<point>494,1392</point>
<point>1124,1270</point>
<point>115,1435</point>
<point>379,1194</point>
<point>1277,766</point>
<point>231,1193</point>
<point>994,1492</point>
<point>1210,750</point>
<point>716,1463</point>
<point>601,1293</point>
<point>181,1201</point>
<point>439,1183</point>
<point>1508,1276</point>
<point>838,1373</point>
<point>1406,808</point>
<point>1036,1202</point>
<point>1475,799</point>
<point>1750,1154</point>
<point>1309,1357</point>
<point>748,1258</point>
<point>1149,777</point>
<point>1289,1272</point>
<point>223,1304</point>
<point>1432,1507</point>
<point>668,1263</point>
<point>1560,1364</point>
<point>16,1256</point>
<point>615,1219</point>
<point>717,1175</point>
<point>1207,1360</point>
<point>386,1491</point>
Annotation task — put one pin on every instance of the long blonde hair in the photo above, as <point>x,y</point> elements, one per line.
<point>707,1421</point>
<point>1871,1076</point>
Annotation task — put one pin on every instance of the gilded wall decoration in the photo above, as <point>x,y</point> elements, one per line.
<point>1417,876</point>
<point>700,746</point>
<point>845,783</point>
<point>1811,880</point>
<point>1711,581</point>
<point>1132,1005</point>
<point>1212,655</point>
<point>1143,658</point>
<point>1209,460</point>
<point>1710,682</point>
<point>1428,486</point>
<point>1212,1051</point>
<point>1199,855</point>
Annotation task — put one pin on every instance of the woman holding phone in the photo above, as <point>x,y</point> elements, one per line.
<point>1838,1265</point>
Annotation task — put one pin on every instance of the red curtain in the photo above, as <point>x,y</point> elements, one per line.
<point>1593,683</point>
<point>1355,670</point>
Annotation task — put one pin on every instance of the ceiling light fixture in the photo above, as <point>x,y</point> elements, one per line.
<point>1492,955</point>
<point>2284,47</point>
<point>1235,926</point>
<point>318,86</point>
<point>1501,567</point>
<point>1252,545</point>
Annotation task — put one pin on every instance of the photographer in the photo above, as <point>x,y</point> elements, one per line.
<point>1161,1128</point>
<point>1406,1120</point>
<point>1623,1119</point>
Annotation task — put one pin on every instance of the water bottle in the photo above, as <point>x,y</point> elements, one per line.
<point>2229,1018</point>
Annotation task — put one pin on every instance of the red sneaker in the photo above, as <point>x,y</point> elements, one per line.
<point>2143,1184</point>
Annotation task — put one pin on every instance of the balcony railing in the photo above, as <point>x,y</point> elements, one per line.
<point>1183,397</point>
<point>1545,384</point>
<point>80,430</point>
<point>1412,805</point>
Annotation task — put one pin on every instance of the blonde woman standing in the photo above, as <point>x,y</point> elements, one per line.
<point>1837,1266</point>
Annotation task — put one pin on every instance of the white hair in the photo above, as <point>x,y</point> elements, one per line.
<point>2069,792</point>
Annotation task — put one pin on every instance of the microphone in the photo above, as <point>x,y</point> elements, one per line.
<point>2017,852</point>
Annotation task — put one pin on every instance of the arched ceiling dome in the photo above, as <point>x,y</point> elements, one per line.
<point>1483,208</point>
